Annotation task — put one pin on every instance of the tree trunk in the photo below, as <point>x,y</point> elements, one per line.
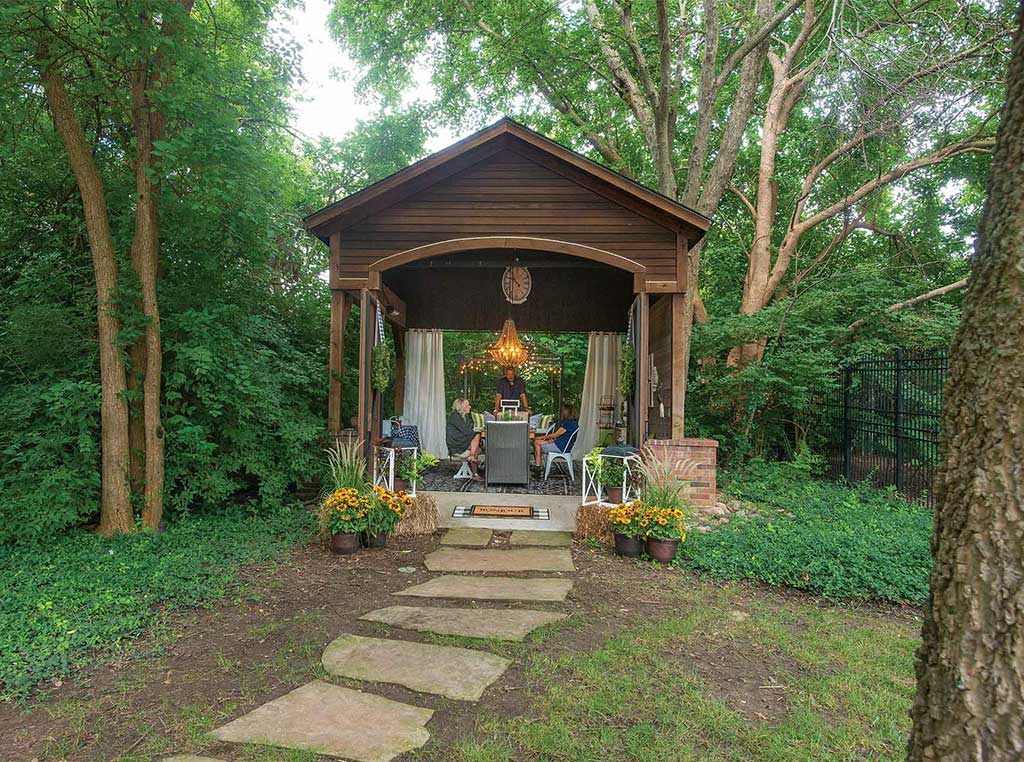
<point>115,505</point>
<point>145,254</point>
<point>970,669</point>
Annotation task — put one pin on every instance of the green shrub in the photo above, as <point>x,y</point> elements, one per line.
<point>827,538</point>
<point>80,594</point>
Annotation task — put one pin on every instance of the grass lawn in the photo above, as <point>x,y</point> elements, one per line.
<point>653,664</point>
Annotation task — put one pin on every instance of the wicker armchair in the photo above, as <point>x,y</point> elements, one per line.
<point>508,452</point>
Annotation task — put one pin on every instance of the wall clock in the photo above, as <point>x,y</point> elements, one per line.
<point>516,283</point>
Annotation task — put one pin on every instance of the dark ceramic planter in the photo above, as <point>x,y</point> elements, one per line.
<point>662,551</point>
<point>344,544</point>
<point>615,495</point>
<point>378,540</point>
<point>627,546</point>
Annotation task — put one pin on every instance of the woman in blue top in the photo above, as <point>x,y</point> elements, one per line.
<point>557,440</point>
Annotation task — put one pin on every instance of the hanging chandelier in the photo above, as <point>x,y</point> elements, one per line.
<point>508,349</point>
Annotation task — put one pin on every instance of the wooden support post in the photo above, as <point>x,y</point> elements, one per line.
<point>366,329</point>
<point>643,365</point>
<point>679,368</point>
<point>340,307</point>
<point>399,369</point>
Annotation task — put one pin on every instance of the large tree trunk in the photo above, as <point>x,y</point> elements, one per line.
<point>115,505</point>
<point>145,254</point>
<point>970,670</point>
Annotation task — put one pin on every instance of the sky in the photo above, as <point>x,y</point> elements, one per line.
<point>326,103</point>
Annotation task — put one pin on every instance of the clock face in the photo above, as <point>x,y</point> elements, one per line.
<point>516,283</point>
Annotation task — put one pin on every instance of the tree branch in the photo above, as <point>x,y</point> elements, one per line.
<point>933,294</point>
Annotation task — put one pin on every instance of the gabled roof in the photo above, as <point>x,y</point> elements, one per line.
<point>320,222</point>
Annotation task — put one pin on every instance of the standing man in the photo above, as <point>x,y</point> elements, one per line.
<point>510,387</point>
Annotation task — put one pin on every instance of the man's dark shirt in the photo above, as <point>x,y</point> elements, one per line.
<point>511,390</point>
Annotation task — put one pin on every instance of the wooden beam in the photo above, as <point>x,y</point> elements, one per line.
<point>399,369</point>
<point>682,263</point>
<point>334,260</point>
<point>679,369</point>
<point>661,287</point>
<point>340,306</point>
<point>643,364</point>
<point>365,337</point>
<point>348,284</point>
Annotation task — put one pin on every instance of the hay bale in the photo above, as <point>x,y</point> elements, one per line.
<point>592,523</point>
<point>421,518</point>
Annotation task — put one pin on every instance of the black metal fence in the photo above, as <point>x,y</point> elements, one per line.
<point>883,421</point>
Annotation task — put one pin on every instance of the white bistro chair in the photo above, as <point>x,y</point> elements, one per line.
<point>565,455</point>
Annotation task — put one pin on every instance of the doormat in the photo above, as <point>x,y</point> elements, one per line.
<point>500,512</point>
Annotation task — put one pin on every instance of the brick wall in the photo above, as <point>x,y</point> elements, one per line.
<point>697,464</point>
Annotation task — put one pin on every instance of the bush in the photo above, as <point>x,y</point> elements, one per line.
<point>81,594</point>
<point>827,538</point>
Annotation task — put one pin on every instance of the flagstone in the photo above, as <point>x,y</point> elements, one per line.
<point>533,537</point>
<point>491,588</point>
<point>457,673</point>
<point>500,624</point>
<point>475,536</point>
<point>496,560</point>
<point>333,720</point>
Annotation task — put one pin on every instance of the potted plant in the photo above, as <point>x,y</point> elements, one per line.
<point>663,518</point>
<point>612,474</point>
<point>409,468</point>
<point>664,531</point>
<point>625,525</point>
<point>343,517</point>
<point>385,511</point>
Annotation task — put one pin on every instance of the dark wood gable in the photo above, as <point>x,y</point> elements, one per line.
<point>509,181</point>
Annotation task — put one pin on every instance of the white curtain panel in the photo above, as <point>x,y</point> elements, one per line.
<point>599,381</point>
<point>424,389</point>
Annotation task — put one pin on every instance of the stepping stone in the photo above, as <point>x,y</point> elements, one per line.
<point>532,537</point>
<point>457,673</point>
<point>491,588</point>
<point>332,720</point>
<point>495,560</point>
<point>500,624</point>
<point>474,536</point>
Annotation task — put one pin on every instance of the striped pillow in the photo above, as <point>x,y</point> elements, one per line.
<point>545,422</point>
<point>478,420</point>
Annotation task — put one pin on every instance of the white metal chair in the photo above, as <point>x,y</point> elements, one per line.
<point>565,455</point>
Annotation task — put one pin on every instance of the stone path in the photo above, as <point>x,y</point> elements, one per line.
<point>491,588</point>
<point>473,536</point>
<point>499,624</point>
<point>533,537</point>
<point>341,722</point>
<point>495,560</point>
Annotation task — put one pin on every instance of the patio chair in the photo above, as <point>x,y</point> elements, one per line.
<point>508,452</point>
<point>565,454</point>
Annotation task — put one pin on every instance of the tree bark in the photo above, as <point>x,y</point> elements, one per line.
<point>115,502</point>
<point>145,255</point>
<point>970,667</point>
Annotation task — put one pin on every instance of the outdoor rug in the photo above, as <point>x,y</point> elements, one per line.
<point>501,512</point>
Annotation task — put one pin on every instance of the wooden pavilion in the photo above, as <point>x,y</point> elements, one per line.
<point>427,246</point>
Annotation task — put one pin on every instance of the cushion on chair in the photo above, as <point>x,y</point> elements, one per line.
<point>406,433</point>
<point>545,422</point>
<point>478,420</point>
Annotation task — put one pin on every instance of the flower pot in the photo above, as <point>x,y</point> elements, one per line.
<point>401,484</point>
<point>345,544</point>
<point>614,495</point>
<point>378,540</point>
<point>662,551</point>
<point>627,546</point>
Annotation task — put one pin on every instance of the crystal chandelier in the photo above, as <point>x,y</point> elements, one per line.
<point>509,350</point>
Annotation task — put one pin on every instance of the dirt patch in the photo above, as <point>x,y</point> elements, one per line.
<point>749,680</point>
<point>201,668</point>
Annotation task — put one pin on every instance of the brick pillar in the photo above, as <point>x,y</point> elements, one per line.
<point>696,464</point>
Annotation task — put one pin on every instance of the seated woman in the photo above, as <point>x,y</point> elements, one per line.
<point>462,441</point>
<point>557,440</point>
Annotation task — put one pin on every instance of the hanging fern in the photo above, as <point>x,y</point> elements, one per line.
<point>383,366</point>
<point>627,369</point>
